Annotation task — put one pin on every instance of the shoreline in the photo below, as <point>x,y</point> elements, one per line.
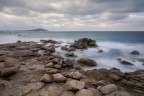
<point>39,69</point>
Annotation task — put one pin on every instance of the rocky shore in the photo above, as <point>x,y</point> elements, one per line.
<point>32,69</point>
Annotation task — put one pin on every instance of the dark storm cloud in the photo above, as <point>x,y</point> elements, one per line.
<point>73,13</point>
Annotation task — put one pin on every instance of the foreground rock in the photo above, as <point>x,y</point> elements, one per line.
<point>10,62</point>
<point>75,75</point>
<point>59,77</point>
<point>84,43</point>
<point>87,62</point>
<point>74,85</point>
<point>107,89</point>
<point>45,78</point>
<point>84,92</point>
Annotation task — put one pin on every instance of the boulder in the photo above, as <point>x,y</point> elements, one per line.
<point>10,62</point>
<point>48,41</point>
<point>69,62</point>
<point>45,78</point>
<point>57,66</point>
<point>68,93</point>
<point>84,43</point>
<point>119,93</point>
<point>56,60</point>
<point>84,92</point>
<point>50,48</point>
<point>59,77</point>
<point>75,75</point>
<point>115,77</point>
<point>74,85</point>
<point>87,62</point>
<point>9,71</point>
<point>135,52</point>
<point>107,89</point>
<point>124,62</point>
<point>49,65</point>
<point>95,92</point>
<point>71,49</point>
<point>21,53</point>
<point>69,54</point>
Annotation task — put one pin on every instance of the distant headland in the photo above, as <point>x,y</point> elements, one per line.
<point>38,29</point>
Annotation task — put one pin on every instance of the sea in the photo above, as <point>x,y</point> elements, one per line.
<point>115,45</point>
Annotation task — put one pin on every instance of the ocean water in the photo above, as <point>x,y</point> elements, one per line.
<point>114,44</point>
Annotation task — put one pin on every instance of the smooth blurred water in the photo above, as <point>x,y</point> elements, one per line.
<point>114,44</point>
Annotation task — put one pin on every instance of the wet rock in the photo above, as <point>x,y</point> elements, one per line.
<point>124,62</point>
<point>50,48</point>
<point>75,75</point>
<point>10,62</point>
<point>71,49</point>
<point>68,93</point>
<point>74,85</point>
<point>19,41</point>
<point>9,71</point>
<point>21,53</point>
<point>100,51</point>
<point>45,78</point>
<point>135,52</point>
<point>87,62</point>
<point>107,89</point>
<point>84,43</point>
<point>119,93</point>
<point>48,41</point>
<point>84,92</point>
<point>69,54</point>
<point>59,77</point>
<point>64,48</point>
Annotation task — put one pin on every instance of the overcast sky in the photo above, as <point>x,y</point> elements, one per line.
<point>59,15</point>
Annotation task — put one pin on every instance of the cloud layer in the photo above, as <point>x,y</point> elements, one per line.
<point>72,14</point>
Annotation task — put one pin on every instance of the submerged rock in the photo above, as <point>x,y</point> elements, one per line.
<point>87,62</point>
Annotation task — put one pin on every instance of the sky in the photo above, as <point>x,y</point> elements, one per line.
<point>72,15</point>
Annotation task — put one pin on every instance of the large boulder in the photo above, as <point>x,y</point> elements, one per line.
<point>10,62</point>
<point>21,53</point>
<point>74,85</point>
<point>87,62</point>
<point>59,77</point>
<point>107,89</point>
<point>75,75</point>
<point>84,92</point>
<point>84,43</point>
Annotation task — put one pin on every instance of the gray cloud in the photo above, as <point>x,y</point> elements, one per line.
<point>72,14</point>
